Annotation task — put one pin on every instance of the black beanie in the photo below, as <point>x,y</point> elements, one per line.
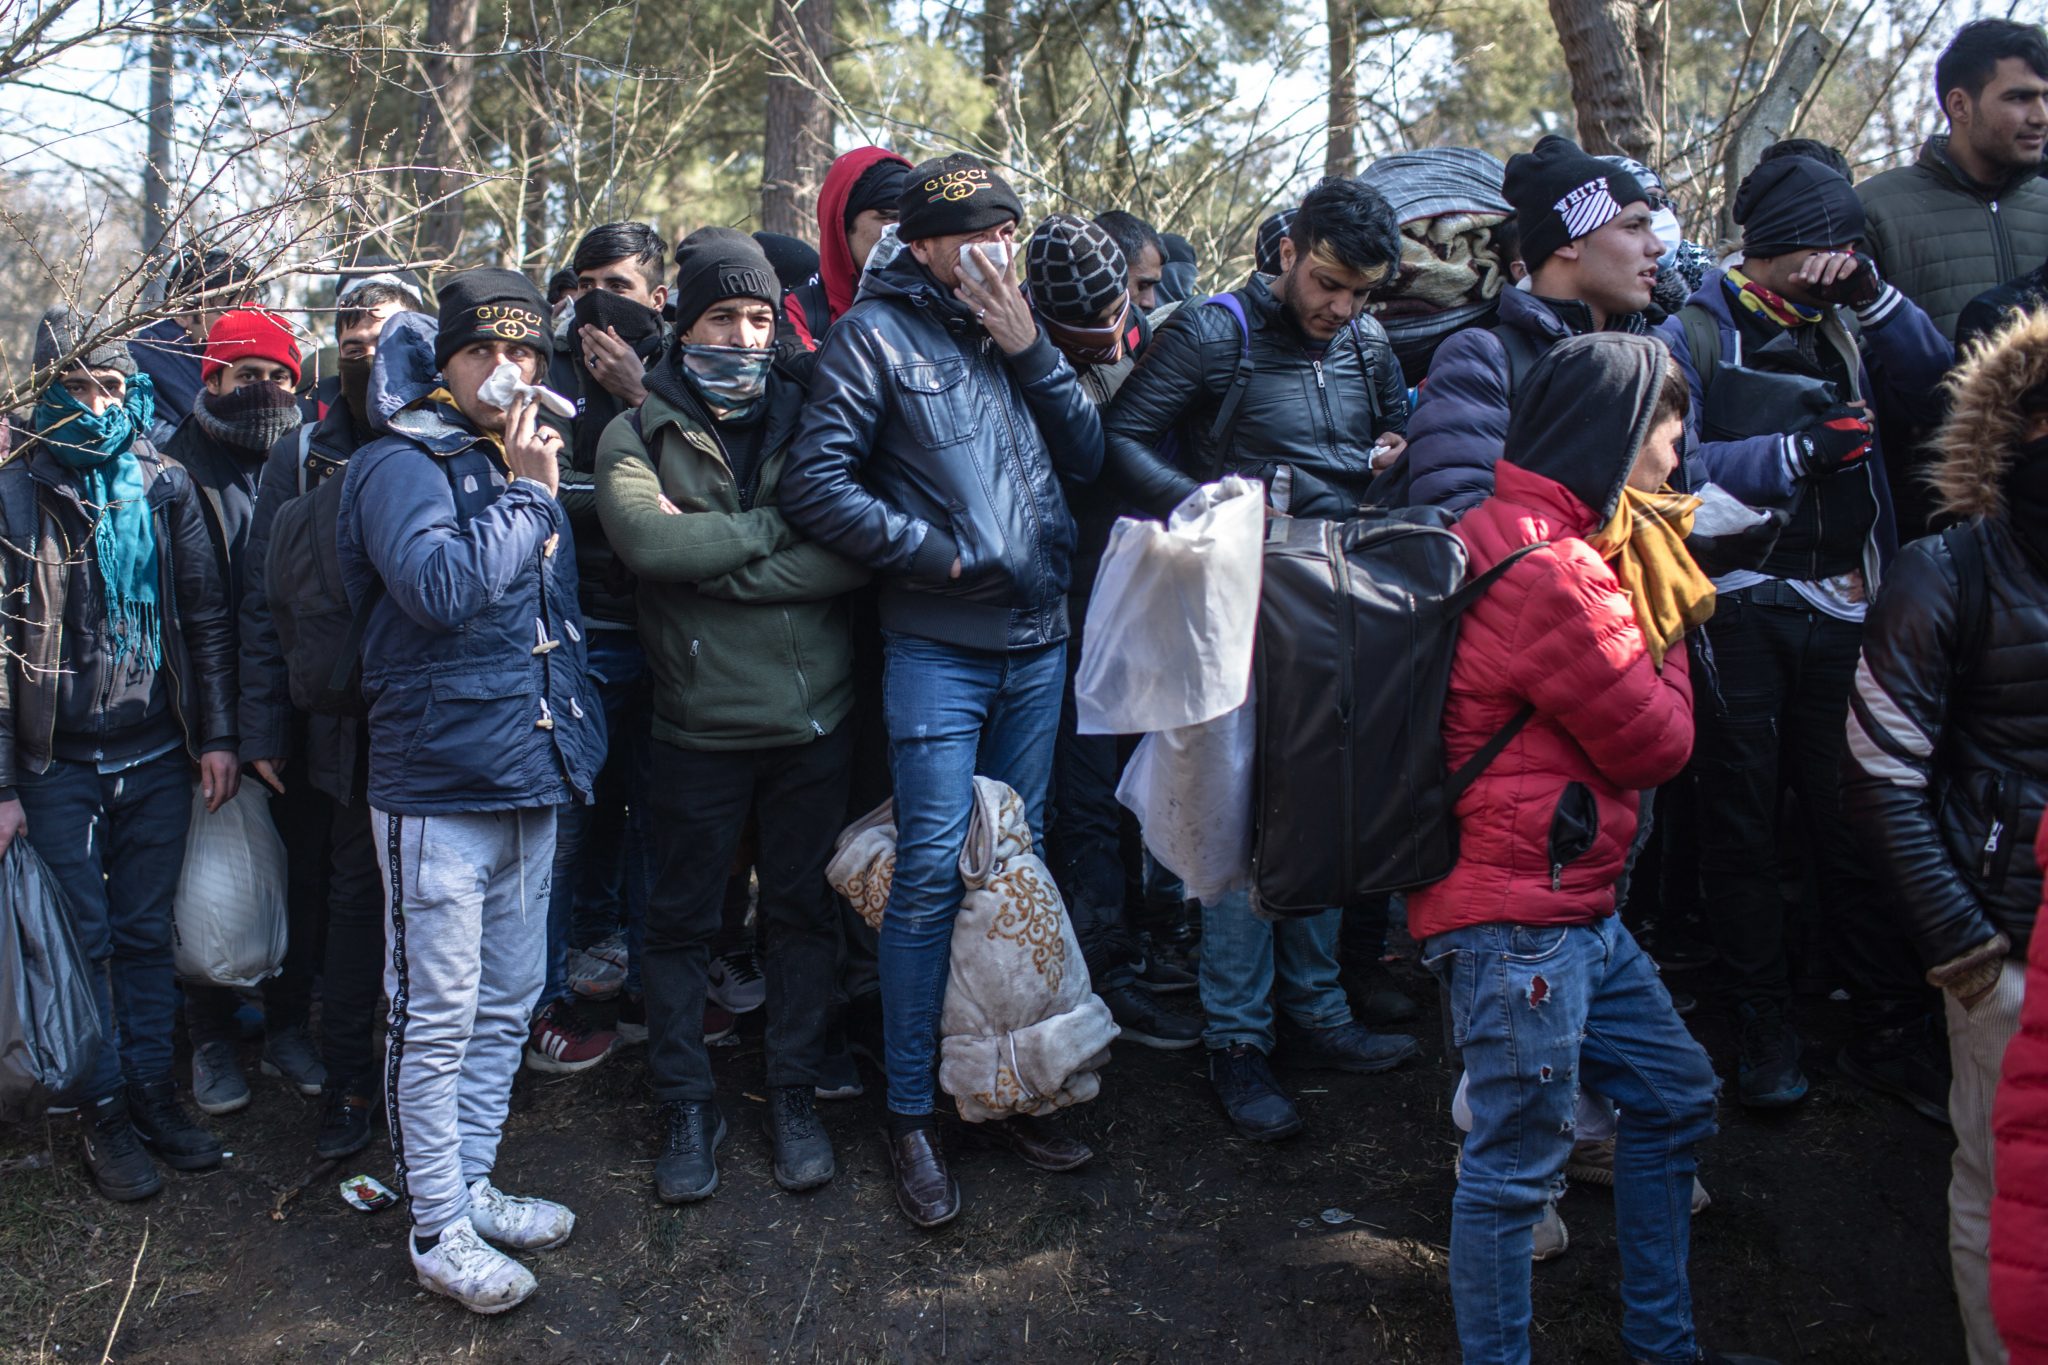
<point>880,186</point>
<point>716,263</point>
<point>489,304</point>
<point>794,260</point>
<point>1266,253</point>
<point>954,195</point>
<point>1794,202</point>
<point>1560,194</point>
<point>1073,270</point>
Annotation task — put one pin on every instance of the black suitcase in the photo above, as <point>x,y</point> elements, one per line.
<point>1357,624</point>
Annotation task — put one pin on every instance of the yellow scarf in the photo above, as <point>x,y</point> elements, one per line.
<point>1646,540</point>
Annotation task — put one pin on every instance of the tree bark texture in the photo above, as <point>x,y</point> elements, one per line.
<point>1608,92</point>
<point>1341,156</point>
<point>997,26</point>
<point>444,121</point>
<point>157,173</point>
<point>798,145</point>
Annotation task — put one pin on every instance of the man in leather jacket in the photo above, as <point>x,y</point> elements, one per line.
<point>116,679</point>
<point>940,424</point>
<point>1946,773</point>
<point>1323,384</point>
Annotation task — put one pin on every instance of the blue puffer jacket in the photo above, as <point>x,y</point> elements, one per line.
<point>473,661</point>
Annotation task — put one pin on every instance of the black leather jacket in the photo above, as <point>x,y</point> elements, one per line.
<point>1946,776</point>
<point>1316,412</point>
<point>922,441</point>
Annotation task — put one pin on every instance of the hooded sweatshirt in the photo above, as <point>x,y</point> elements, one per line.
<point>1544,832</point>
<point>809,308</point>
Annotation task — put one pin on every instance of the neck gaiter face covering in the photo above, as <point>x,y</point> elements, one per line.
<point>251,419</point>
<point>354,372</point>
<point>730,379</point>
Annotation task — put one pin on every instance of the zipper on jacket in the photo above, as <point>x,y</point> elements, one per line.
<point>2001,244</point>
<point>803,684</point>
<point>1996,835</point>
<point>1347,665</point>
<point>1330,446</point>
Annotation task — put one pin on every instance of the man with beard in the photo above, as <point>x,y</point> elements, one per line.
<point>323,809</point>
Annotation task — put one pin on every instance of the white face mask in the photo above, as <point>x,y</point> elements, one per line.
<point>998,254</point>
<point>887,248</point>
<point>1665,227</point>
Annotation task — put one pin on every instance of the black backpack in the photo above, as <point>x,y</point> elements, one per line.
<point>320,632</point>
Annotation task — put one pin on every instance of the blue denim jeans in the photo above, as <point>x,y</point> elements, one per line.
<point>952,713</point>
<point>618,665</point>
<point>1536,1011</point>
<point>1249,965</point>
<point>116,843</point>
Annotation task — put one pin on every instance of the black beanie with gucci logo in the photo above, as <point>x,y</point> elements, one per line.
<point>489,304</point>
<point>954,195</point>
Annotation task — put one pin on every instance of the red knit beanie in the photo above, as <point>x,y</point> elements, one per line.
<point>249,333</point>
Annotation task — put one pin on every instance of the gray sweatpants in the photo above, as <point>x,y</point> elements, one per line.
<point>465,937</point>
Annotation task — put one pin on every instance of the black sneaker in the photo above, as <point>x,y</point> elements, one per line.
<point>1162,976</point>
<point>1375,999</point>
<point>803,1151</point>
<point>344,1125</point>
<point>1141,1019</point>
<point>1345,1047</point>
<point>160,1118</point>
<point>1256,1105</point>
<point>686,1168</point>
<point>113,1153</point>
<point>1909,1063</point>
<point>1767,1075</point>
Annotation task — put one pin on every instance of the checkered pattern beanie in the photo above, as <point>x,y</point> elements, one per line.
<point>1266,250</point>
<point>1073,269</point>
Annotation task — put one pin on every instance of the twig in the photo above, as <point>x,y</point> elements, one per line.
<point>805,1302</point>
<point>133,1271</point>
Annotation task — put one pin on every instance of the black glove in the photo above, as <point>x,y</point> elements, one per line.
<point>1858,289</point>
<point>1840,439</point>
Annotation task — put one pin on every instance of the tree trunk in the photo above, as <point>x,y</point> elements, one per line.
<point>444,121</point>
<point>1608,95</point>
<point>798,145</point>
<point>157,173</point>
<point>1341,158</point>
<point>1771,115</point>
<point>997,20</point>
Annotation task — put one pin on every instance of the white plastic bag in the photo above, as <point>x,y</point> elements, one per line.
<point>228,921</point>
<point>1191,790</point>
<point>1173,615</point>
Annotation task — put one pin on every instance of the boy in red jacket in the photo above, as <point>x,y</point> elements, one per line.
<point>1580,643</point>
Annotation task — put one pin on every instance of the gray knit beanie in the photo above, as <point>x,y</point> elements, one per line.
<point>63,331</point>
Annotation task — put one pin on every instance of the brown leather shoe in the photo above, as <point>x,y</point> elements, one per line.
<point>1040,1143</point>
<point>925,1189</point>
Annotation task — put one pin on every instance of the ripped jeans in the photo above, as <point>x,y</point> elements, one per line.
<point>1535,1010</point>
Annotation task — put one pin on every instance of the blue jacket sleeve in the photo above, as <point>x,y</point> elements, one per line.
<point>1456,430</point>
<point>1754,469</point>
<point>266,706</point>
<point>821,493</point>
<point>1906,353</point>
<point>438,573</point>
<point>1068,422</point>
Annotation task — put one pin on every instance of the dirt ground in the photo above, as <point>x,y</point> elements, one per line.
<point>1825,1241</point>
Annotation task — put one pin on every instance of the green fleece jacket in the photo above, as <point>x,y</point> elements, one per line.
<point>744,622</point>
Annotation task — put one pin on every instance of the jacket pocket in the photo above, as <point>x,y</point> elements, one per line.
<point>937,401</point>
<point>1573,826</point>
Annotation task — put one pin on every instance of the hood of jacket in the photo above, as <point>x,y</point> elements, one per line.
<point>1581,413</point>
<point>837,269</point>
<point>1934,157</point>
<point>403,373</point>
<point>1973,448</point>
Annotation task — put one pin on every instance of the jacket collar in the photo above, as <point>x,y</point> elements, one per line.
<point>672,402</point>
<point>1557,319</point>
<point>1935,158</point>
<point>1559,510</point>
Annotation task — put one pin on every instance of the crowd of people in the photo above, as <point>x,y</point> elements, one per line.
<point>639,591</point>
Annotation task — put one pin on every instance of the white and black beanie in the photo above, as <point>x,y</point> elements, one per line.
<point>1561,194</point>
<point>1266,249</point>
<point>1073,269</point>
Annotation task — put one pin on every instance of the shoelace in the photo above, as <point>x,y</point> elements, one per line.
<point>682,1137</point>
<point>743,967</point>
<point>796,1117</point>
<point>466,1255</point>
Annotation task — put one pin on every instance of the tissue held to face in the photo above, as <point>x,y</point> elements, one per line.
<point>470,368</point>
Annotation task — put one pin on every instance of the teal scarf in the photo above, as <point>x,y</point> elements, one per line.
<point>101,450</point>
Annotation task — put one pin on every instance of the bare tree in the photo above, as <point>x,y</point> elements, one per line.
<point>798,141</point>
<point>1609,95</point>
<point>444,118</point>
<point>1342,156</point>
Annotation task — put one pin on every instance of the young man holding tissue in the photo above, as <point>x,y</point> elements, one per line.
<point>482,722</point>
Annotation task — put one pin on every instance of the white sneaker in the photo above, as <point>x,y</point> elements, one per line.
<point>516,1221</point>
<point>479,1277</point>
<point>1548,1238</point>
<point>736,982</point>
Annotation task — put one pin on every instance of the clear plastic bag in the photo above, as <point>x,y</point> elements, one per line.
<point>50,1025</point>
<point>228,924</point>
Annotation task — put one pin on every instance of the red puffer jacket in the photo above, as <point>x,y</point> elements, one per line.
<point>1545,831</point>
<point>2019,1123</point>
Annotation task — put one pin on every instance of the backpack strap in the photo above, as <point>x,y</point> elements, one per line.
<point>1468,772</point>
<point>1703,339</point>
<point>1973,610</point>
<point>1226,412</point>
<point>1522,353</point>
<point>305,451</point>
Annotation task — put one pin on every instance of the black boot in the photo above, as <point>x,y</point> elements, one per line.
<point>160,1117</point>
<point>1142,1020</point>
<point>803,1151</point>
<point>113,1154</point>
<point>1767,1075</point>
<point>686,1169</point>
<point>1256,1105</point>
<point>344,1125</point>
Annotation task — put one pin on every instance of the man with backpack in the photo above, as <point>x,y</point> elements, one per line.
<point>118,678</point>
<point>315,758</point>
<point>1284,381</point>
<point>482,723</point>
<point>1946,775</point>
<point>1779,377</point>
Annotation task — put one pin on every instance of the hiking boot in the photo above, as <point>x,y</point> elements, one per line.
<point>1141,1020</point>
<point>160,1118</point>
<point>925,1188</point>
<point>1767,1074</point>
<point>1345,1047</point>
<point>1039,1142</point>
<point>736,982</point>
<point>803,1151</point>
<point>1548,1240</point>
<point>1909,1063</point>
<point>592,977</point>
<point>564,1040</point>
<point>719,1023</point>
<point>1254,1102</point>
<point>686,1168</point>
<point>1592,1163</point>
<point>481,1278</point>
<point>113,1153</point>
<point>344,1125</point>
<point>517,1221</point>
<point>612,948</point>
<point>1376,1000</point>
<point>1164,977</point>
<point>631,1024</point>
<point>289,1053</point>
<point>838,1074</point>
<point>218,1086</point>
